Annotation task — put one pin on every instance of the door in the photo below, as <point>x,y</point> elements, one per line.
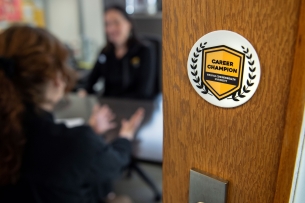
<point>252,146</point>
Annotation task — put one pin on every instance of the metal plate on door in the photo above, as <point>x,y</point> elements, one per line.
<point>206,188</point>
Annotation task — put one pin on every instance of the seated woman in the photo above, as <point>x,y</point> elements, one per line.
<point>125,63</point>
<point>41,161</point>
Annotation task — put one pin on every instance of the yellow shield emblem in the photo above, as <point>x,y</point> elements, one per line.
<point>222,70</point>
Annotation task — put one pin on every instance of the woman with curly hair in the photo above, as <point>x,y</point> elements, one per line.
<point>41,161</point>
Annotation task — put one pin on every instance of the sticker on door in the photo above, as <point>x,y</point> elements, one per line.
<point>224,68</point>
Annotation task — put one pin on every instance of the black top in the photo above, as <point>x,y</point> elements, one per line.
<point>133,76</point>
<point>64,165</point>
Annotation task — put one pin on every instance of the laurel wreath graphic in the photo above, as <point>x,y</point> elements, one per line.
<point>194,72</point>
<point>251,76</point>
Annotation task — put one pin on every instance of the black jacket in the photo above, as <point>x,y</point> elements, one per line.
<point>64,165</point>
<point>133,76</point>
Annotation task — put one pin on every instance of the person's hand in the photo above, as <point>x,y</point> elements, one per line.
<point>82,93</point>
<point>101,119</point>
<point>129,127</point>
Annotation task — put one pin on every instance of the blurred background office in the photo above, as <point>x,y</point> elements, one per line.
<point>80,25</point>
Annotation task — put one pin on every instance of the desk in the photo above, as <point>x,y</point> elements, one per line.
<point>149,138</point>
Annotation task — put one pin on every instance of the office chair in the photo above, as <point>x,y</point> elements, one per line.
<point>154,42</point>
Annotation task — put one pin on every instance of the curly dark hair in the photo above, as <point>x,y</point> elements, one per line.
<point>38,57</point>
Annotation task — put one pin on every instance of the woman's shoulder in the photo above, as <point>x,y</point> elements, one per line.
<point>144,43</point>
<point>83,136</point>
<point>78,144</point>
<point>46,138</point>
<point>142,47</point>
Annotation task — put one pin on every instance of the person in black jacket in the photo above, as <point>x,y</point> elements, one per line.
<point>125,63</point>
<point>41,161</point>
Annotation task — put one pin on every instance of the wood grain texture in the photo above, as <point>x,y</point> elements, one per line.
<point>241,145</point>
<point>294,116</point>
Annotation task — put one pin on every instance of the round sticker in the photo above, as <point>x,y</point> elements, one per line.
<point>224,68</point>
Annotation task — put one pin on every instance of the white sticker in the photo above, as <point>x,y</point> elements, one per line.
<point>224,68</point>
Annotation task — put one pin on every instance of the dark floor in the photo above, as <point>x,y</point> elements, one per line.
<point>136,189</point>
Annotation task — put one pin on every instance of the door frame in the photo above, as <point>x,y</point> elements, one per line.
<point>294,116</point>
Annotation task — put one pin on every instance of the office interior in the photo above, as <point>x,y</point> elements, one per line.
<point>79,24</point>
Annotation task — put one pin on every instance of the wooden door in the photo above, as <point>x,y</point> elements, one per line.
<point>252,146</point>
